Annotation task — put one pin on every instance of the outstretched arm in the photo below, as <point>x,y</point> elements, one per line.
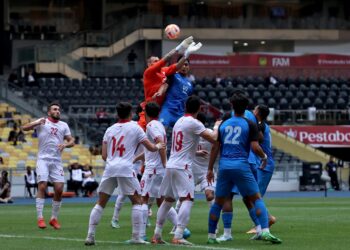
<point>33,124</point>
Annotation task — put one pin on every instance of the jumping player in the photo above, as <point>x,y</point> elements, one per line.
<point>52,134</point>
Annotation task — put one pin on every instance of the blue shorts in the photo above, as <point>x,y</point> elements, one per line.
<point>168,117</point>
<point>264,178</point>
<point>241,177</point>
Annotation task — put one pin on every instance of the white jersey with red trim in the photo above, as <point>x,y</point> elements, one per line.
<point>200,163</point>
<point>122,140</point>
<point>50,135</point>
<point>153,162</point>
<point>185,137</point>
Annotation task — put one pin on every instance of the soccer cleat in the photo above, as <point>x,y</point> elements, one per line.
<point>213,241</point>
<point>256,237</point>
<point>115,224</point>
<point>90,240</point>
<point>41,223</point>
<point>181,242</point>
<point>137,241</point>
<point>225,238</point>
<point>252,231</point>
<point>156,240</point>
<point>267,236</point>
<point>54,223</point>
<point>173,230</point>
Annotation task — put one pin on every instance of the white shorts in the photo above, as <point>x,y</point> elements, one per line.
<point>49,170</point>
<point>150,185</point>
<point>127,185</point>
<point>202,181</point>
<point>177,183</point>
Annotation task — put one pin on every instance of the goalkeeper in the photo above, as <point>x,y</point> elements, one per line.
<point>180,88</point>
<point>154,77</point>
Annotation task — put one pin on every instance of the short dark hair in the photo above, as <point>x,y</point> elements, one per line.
<point>55,103</point>
<point>180,57</point>
<point>239,103</point>
<point>152,109</point>
<point>202,117</point>
<point>264,111</point>
<point>124,110</point>
<point>193,104</point>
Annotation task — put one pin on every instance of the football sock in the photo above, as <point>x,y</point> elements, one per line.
<point>261,213</point>
<point>95,218</point>
<point>144,208</point>
<point>172,216</point>
<point>253,216</point>
<point>39,207</point>
<point>161,216</point>
<point>137,221</point>
<point>55,208</point>
<point>214,216</point>
<point>183,218</point>
<point>227,220</point>
<point>118,206</point>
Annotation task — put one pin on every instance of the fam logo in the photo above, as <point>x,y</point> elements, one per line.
<point>291,133</point>
<point>280,62</point>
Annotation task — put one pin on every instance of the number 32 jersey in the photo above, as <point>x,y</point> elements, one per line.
<point>122,140</point>
<point>185,138</point>
<point>50,135</point>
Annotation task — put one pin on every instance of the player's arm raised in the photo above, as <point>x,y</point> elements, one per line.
<point>211,136</point>
<point>33,124</point>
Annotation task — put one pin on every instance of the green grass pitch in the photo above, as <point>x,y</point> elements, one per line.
<point>312,223</point>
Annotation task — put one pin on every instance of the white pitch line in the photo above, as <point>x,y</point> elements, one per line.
<point>104,241</point>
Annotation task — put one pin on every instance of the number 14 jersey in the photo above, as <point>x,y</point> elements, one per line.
<point>122,140</point>
<point>185,138</point>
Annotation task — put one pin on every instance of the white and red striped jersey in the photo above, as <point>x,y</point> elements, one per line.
<point>153,162</point>
<point>50,135</point>
<point>185,137</point>
<point>122,140</point>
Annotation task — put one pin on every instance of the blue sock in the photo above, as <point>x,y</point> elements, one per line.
<point>261,213</point>
<point>253,216</point>
<point>227,219</point>
<point>214,216</point>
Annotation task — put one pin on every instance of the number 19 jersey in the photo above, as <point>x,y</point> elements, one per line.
<point>185,138</point>
<point>122,140</point>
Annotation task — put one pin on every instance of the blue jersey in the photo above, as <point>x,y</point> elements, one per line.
<point>253,159</point>
<point>180,88</point>
<point>235,135</point>
<point>266,145</point>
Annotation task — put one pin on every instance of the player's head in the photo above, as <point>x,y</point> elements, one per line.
<point>261,112</point>
<point>239,103</point>
<point>152,60</point>
<point>185,67</point>
<point>124,110</point>
<point>29,169</point>
<point>202,117</point>
<point>4,174</point>
<point>54,110</point>
<point>193,105</point>
<point>152,110</point>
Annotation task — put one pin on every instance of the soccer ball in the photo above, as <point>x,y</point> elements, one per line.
<point>187,233</point>
<point>172,31</point>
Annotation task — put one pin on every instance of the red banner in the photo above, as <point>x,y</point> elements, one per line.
<point>318,136</point>
<point>270,61</point>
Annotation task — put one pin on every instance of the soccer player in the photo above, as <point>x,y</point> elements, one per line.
<point>155,76</point>
<point>180,88</point>
<point>54,136</point>
<point>119,144</point>
<point>155,163</point>
<point>178,180</point>
<point>237,136</point>
<point>200,165</point>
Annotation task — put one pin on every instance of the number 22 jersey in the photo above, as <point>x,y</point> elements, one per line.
<point>122,140</point>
